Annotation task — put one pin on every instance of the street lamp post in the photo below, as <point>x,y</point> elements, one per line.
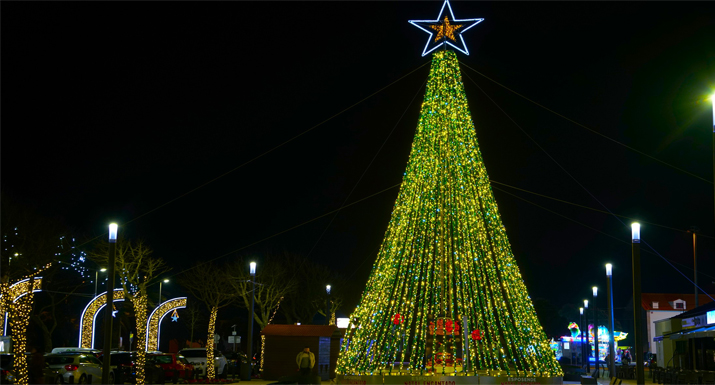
<point>636,259</point>
<point>588,338</point>
<point>327,305</point>
<point>249,339</point>
<point>611,324</point>
<point>160,282</point>
<point>595,332</point>
<point>96,279</point>
<point>694,230</point>
<point>109,304</point>
<point>580,310</point>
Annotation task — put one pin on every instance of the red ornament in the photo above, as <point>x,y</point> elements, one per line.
<point>477,335</point>
<point>397,319</point>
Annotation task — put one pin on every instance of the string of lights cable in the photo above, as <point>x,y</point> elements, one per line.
<point>582,186</point>
<point>104,234</point>
<point>586,127</point>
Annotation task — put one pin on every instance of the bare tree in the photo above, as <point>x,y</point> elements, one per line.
<point>137,270</point>
<point>312,278</point>
<point>273,282</point>
<point>194,319</point>
<point>211,285</point>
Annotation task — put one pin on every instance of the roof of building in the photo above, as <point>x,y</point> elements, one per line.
<point>666,301</point>
<point>299,330</point>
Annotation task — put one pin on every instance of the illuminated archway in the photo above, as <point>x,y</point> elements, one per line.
<point>153,324</point>
<point>17,291</point>
<point>89,316</point>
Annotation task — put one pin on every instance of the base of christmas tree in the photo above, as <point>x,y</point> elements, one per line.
<point>439,379</point>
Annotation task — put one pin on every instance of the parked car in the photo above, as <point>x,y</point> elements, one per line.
<point>6,374</point>
<point>75,350</point>
<point>197,357</point>
<point>124,364</point>
<point>174,364</point>
<point>74,368</point>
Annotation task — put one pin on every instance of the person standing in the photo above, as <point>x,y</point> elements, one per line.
<point>305,360</point>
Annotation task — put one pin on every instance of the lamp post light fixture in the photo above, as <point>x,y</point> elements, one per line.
<point>160,283</point>
<point>636,260</point>
<point>249,339</point>
<point>113,229</point>
<point>595,332</point>
<point>611,323</point>
<point>588,337</point>
<point>580,310</point>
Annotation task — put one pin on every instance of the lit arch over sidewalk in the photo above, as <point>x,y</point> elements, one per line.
<point>17,291</point>
<point>153,324</point>
<point>89,316</point>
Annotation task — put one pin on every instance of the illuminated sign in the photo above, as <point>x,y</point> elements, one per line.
<point>711,317</point>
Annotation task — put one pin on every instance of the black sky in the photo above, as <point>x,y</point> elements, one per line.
<point>112,109</point>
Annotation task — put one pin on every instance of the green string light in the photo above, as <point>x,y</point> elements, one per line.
<point>446,258</point>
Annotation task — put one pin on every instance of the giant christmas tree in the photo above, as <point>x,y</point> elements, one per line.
<point>445,262</point>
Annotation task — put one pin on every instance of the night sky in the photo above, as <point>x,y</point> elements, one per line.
<point>113,110</point>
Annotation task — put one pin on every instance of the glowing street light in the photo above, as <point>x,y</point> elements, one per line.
<point>609,301</point>
<point>249,349</point>
<point>160,283</point>
<point>113,229</point>
<point>636,260</point>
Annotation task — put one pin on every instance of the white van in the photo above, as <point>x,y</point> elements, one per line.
<point>94,352</point>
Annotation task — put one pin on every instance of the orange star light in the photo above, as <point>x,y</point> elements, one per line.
<point>445,29</point>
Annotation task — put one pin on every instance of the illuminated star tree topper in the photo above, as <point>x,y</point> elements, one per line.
<point>446,29</point>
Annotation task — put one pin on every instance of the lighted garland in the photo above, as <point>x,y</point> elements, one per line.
<point>89,316</point>
<point>154,323</point>
<point>263,337</point>
<point>210,369</point>
<point>445,259</point>
<point>19,321</point>
<point>14,292</point>
<point>140,303</point>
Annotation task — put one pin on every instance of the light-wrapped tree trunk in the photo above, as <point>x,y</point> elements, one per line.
<point>139,302</point>
<point>210,370</point>
<point>19,321</point>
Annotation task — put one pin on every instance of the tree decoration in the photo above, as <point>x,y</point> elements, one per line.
<point>445,30</point>
<point>157,315</point>
<point>446,260</point>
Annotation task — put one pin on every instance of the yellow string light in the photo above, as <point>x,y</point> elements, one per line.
<point>210,369</point>
<point>445,29</point>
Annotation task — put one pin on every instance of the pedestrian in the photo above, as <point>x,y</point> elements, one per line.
<point>305,360</point>
<point>627,357</point>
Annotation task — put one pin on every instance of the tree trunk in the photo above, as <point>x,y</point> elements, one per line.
<point>139,303</point>
<point>20,320</point>
<point>210,370</point>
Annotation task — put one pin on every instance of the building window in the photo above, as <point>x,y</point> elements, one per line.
<point>680,305</point>
<point>655,304</point>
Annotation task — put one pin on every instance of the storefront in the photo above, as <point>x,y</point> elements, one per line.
<point>687,341</point>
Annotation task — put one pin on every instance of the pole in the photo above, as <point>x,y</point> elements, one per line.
<point>96,278</point>
<point>611,338</point>
<point>160,282</point>
<point>695,264</point>
<point>588,337</point>
<point>636,259</point>
<point>327,305</point>
<point>596,340</point>
<point>581,323</point>
<point>249,340</point>
<point>109,305</point>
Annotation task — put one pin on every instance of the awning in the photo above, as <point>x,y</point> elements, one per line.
<point>701,332</point>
